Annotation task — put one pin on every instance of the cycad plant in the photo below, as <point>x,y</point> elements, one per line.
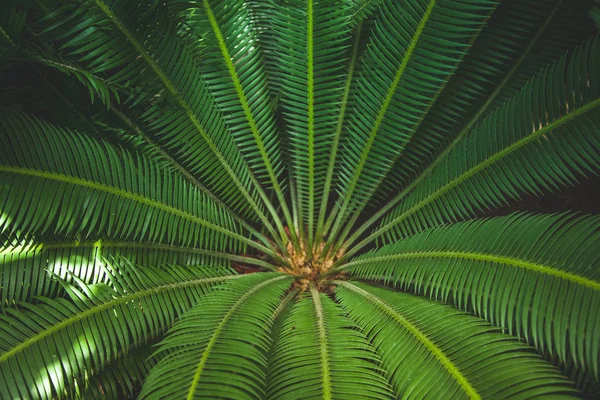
<point>291,199</point>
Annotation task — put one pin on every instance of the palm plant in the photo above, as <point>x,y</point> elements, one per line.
<point>290,199</point>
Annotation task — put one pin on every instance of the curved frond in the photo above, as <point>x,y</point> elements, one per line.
<point>310,38</point>
<point>122,197</point>
<point>184,115</point>
<point>541,139</point>
<point>502,60</point>
<point>29,268</point>
<point>44,347</point>
<point>219,347</point>
<point>414,49</point>
<point>237,80</point>
<point>433,351</point>
<point>321,354</point>
<point>535,276</point>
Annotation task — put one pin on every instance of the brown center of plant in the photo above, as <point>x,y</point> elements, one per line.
<point>310,267</point>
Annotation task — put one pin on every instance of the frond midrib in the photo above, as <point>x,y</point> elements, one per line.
<point>97,309</point>
<point>466,129</point>
<point>137,198</point>
<point>474,170</point>
<point>323,346</point>
<point>219,328</point>
<point>252,123</point>
<point>530,266</point>
<point>38,247</point>
<point>183,104</point>
<point>419,335</point>
<point>381,114</point>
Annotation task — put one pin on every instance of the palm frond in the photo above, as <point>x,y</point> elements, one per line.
<point>238,83</point>
<point>397,86</point>
<point>541,139</point>
<point>28,268</point>
<point>509,271</point>
<point>184,116</point>
<point>433,351</point>
<point>201,360</point>
<point>237,80</point>
<point>519,40</point>
<point>310,38</point>
<point>321,354</point>
<point>122,197</point>
<point>45,346</point>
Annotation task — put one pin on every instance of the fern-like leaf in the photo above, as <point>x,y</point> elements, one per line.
<point>509,271</point>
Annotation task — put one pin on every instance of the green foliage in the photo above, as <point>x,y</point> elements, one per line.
<point>255,199</point>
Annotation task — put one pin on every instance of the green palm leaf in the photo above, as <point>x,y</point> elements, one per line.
<point>238,82</point>
<point>508,271</point>
<point>321,354</point>
<point>219,347</point>
<point>120,198</point>
<point>478,172</point>
<point>501,61</point>
<point>430,350</point>
<point>28,269</point>
<point>194,125</point>
<point>312,61</point>
<point>396,88</point>
<point>59,339</point>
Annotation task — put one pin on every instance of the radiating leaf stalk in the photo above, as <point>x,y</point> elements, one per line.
<point>373,134</point>
<point>467,174</point>
<point>545,269</point>
<point>105,306</point>
<point>419,335</point>
<point>219,329</point>
<point>481,112</point>
<point>323,347</point>
<point>311,128</point>
<point>153,246</point>
<point>321,230</point>
<point>182,103</point>
<point>341,245</point>
<point>192,179</point>
<point>143,200</point>
<point>253,127</point>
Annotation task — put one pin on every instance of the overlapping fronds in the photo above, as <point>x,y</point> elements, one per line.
<point>219,347</point>
<point>96,189</point>
<point>423,42</point>
<point>321,354</point>
<point>430,350</point>
<point>310,38</point>
<point>509,271</point>
<point>539,140</point>
<point>238,82</point>
<point>29,268</point>
<point>519,40</point>
<point>187,189</point>
<point>184,115</point>
<point>43,347</point>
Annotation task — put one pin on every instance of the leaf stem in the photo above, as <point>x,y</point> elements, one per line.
<point>480,112</point>
<point>336,141</point>
<point>373,134</point>
<point>254,128</point>
<point>469,173</point>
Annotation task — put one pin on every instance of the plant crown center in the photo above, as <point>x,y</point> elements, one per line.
<point>310,267</point>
